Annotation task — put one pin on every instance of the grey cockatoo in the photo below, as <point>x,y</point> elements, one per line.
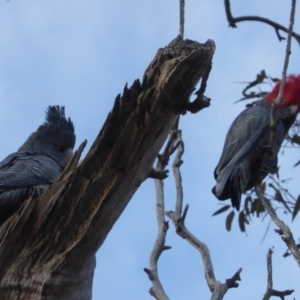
<point>240,164</point>
<point>38,162</point>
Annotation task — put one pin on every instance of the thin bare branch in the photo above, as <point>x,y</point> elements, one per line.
<point>284,230</point>
<point>280,294</point>
<point>232,22</point>
<point>218,289</point>
<point>269,267</point>
<point>182,8</point>
<point>287,53</point>
<point>270,279</point>
<point>176,164</point>
<point>157,290</point>
<point>270,292</point>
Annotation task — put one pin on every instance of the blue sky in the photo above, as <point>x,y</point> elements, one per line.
<point>81,54</point>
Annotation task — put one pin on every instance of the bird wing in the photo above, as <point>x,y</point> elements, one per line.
<point>27,168</point>
<point>243,134</point>
<point>24,173</point>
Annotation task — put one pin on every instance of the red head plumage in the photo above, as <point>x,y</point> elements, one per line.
<point>291,94</point>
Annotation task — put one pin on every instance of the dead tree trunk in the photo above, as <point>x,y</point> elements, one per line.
<point>47,249</point>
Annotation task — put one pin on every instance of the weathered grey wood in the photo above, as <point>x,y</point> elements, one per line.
<point>47,250</point>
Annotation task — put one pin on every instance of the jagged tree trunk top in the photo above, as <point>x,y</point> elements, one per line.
<point>47,249</point>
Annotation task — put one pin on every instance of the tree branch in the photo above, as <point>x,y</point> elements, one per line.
<point>157,290</point>
<point>270,292</point>
<point>232,22</point>
<point>176,172</point>
<point>41,244</point>
<point>284,230</point>
<point>287,53</point>
<point>181,17</point>
<point>269,268</point>
<point>218,289</point>
<point>273,120</point>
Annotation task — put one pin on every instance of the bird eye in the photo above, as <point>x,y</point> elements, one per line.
<point>55,145</point>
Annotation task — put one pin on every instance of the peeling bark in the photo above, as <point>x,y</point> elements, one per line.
<point>47,249</point>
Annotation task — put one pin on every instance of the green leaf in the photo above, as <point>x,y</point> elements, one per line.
<point>248,201</point>
<point>221,210</point>
<point>278,196</point>
<point>242,221</point>
<point>296,208</point>
<point>229,220</point>
<point>272,186</point>
<point>257,207</point>
<point>274,79</point>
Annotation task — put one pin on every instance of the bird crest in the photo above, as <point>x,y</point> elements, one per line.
<point>56,115</point>
<point>57,131</point>
<point>291,94</point>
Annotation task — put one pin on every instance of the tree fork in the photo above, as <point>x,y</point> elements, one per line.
<point>47,249</point>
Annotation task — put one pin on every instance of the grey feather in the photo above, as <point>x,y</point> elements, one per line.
<point>38,162</point>
<point>244,147</point>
